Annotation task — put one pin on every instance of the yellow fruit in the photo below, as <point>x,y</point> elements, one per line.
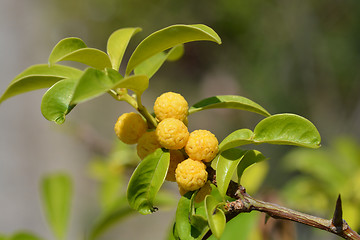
<point>130,127</point>
<point>191,174</point>
<point>203,192</point>
<point>202,145</point>
<point>172,133</point>
<point>171,105</point>
<point>176,157</point>
<point>147,144</point>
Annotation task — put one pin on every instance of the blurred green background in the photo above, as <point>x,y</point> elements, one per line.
<point>300,56</point>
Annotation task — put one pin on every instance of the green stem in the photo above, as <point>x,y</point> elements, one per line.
<point>143,111</point>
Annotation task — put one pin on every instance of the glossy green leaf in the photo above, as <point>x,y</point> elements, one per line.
<point>117,44</point>
<point>228,101</point>
<point>216,216</point>
<point>147,180</point>
<point>55,104</point>
<point>56,192</point>
<point>74,49</point>
<point>226,166</point>
<point>136,83</point>
<point>64,47</point>
<point>37,77</point>
<point>176,53</point>
<point>23,236</point>
<point>183,225</point>
<point>237,138</point>
<point>167,38</point>
<point>250,157</point>
<point>151,65</point>
<point>287,129</point>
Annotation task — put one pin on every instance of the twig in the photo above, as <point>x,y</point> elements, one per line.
<point>245,203</point>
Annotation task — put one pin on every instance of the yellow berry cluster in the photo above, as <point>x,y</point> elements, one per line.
<point>198,147</point>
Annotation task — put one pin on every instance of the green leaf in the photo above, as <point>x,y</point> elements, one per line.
<point>151,65</point>
<point>56,192</point>
<point>55,104</point>
<point>94,83</point>
<point>250,157</point>
<point>37,77</point>
<point>147,180</point>
<point>287,129</point>
<point>237,138</point>
<point>117,44</point>
<point>24,236</point>
<point>167,38</point>
<point>183,226</point>
<point>74,49</point>
<point>228,101</point>
<point>136,83</point>
<point>226,166</point>
<point>216,216</point>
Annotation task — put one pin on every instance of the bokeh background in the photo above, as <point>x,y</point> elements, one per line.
<point>300,56</point>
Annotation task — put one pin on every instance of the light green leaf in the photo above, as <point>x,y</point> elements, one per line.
<point>24,236</point>
<point>250,157</point>
<point>287,129</point>
<point>167,38</point>
<point>55,104</point>
<point>183,226</point>
<point>229,101</point>
<point>65,47</point>
<point>151,65</point>
<point>226,166</point>
<point>147,180</point>
<point>176,53</point>
<point>136,83</point>
<point>56,192</point>
<point>37,77</point>
<point>237,138</point>
<point>94,83</point>
<point>74,49</point>
<point>216,216</point>
<point>117,44</point>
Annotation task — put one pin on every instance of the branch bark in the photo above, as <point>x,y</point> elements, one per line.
<point>245,203</point>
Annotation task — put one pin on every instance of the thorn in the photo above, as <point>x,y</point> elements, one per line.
<point>267,217</point>
<point>337,219</point>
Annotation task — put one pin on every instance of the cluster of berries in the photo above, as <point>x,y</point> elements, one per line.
<point>189,152</point>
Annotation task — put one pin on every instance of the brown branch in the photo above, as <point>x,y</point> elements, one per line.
<point>245,203</point>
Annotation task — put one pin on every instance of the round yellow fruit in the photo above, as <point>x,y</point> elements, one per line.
<point>172,133</point>
<point>130,127</point>
<point>202,145</point>
<point>171,105</point>
<point>191,174</point>
<point>147,144</point>
<point>176,157</point>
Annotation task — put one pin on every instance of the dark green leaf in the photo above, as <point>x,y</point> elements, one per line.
<point>237,138</point>
<point>216,216</point>
<point>183,226</point>
<point>37,77</point>
<point>229,101</point>
<point>147,180</point>
<point>287,129</point>
<point>167,38</point>
<point>56,192</point>
<point>151,65</point>
<point>226,166</point>
<point>117,44</point>
<point>74,49</point>
<point>250,157</point>
<point>24,236</point>
<point>55,104</point>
